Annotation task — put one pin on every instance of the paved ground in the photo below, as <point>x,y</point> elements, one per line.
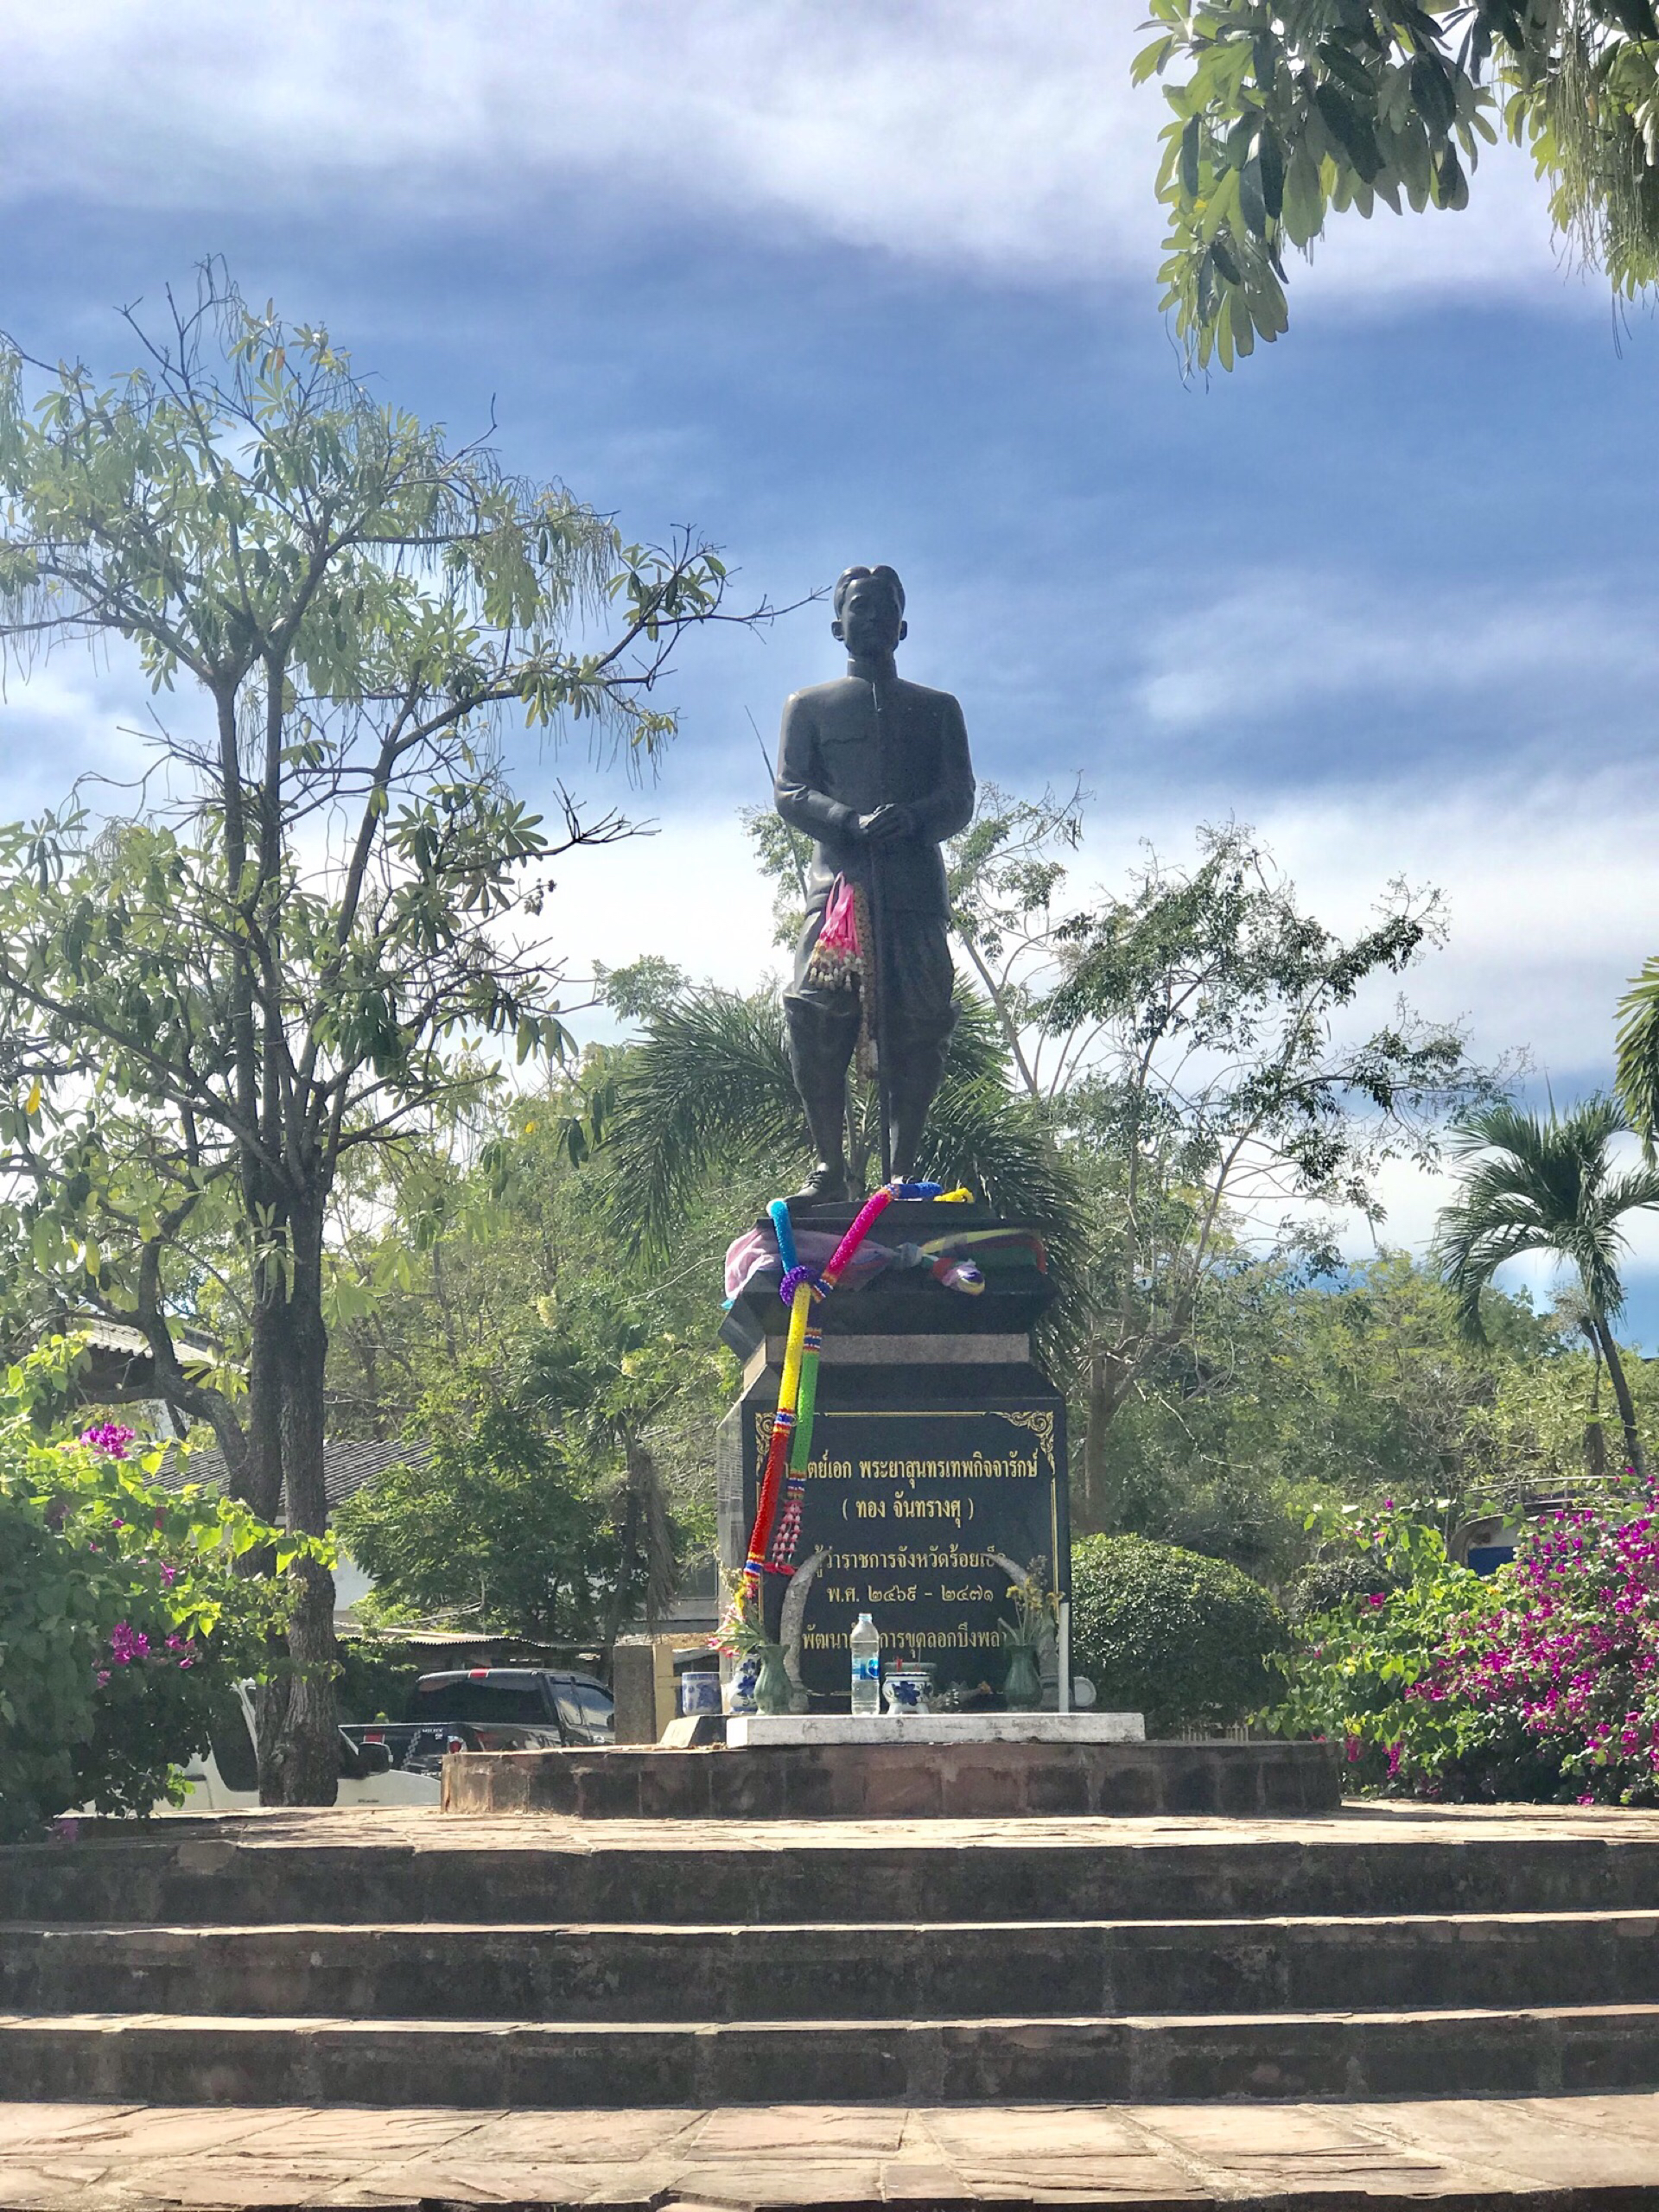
<point>1554,2152</point>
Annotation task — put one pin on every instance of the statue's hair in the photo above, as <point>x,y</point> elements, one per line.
<point>849,577</point>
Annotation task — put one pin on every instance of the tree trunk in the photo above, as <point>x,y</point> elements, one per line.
<point>1101,1405</point>
<point>1617,1376</point>
<point>1595,1435</point>
<point>262,1468</point>
<point>300,1757</point>
<point>1595,1449</point>
<point>306,1751</point>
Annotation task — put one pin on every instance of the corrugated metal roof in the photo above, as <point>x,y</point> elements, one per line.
<point>120,1340</point>
<point>347,1466</point>
<point>434,1639</point>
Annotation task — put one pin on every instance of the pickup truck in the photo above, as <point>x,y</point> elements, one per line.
<point>491,1709</point>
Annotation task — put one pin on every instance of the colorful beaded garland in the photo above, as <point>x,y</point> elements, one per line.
<point>777,1529</point>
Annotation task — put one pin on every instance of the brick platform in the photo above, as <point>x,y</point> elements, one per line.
<point>907,1781</point>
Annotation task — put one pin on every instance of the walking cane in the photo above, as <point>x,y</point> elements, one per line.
<point>878,975</point>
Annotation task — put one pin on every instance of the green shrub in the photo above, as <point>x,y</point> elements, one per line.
<point>1169,1633</point>
<point>123,1620</point>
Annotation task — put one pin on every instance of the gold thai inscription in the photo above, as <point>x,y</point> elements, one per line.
<point>918,1537</point>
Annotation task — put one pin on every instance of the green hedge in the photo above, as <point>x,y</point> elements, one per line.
<point>1169,1633</point>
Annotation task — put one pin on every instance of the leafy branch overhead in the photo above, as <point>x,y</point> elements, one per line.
<point>1286,114</point>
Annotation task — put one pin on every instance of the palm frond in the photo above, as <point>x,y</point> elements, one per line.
<point>1637,1065</point>
<point>709,1087</point>
<point>980,1134</point>
<point>1541,1184</point>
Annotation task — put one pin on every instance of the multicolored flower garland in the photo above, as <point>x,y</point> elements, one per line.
<point>776,1530</point>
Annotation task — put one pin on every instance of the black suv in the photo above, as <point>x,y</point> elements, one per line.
<point>489,1709</point>
<point>530,1703</point>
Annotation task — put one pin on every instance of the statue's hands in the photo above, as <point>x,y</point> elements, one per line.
<point>886,823</point>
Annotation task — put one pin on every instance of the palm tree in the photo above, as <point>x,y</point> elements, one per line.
<point>1548,1185</point>
<point>708,1096</point>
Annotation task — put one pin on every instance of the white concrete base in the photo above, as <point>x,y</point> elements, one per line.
<point>745,1729</point>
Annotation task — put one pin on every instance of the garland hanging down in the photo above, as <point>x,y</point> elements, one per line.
<point>776,1530</point>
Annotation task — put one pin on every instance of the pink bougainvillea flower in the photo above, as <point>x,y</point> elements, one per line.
<point>127,1643</point>
<point>109,1438</point>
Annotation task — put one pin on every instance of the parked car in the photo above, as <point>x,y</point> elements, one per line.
<point>401,1762</point>
<point>507,1708</point>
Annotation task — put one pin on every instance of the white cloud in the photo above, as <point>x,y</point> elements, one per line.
<point>1549,886</point>
<point>1001,138</point>
<point>1549,880</point>
<point>689,894</point>
<point>1306,640</point>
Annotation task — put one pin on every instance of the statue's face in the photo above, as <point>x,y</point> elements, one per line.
<point>870,624</point>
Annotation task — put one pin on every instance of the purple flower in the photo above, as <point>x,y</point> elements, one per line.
<point>109,1438</point>
<point>127,1643</point>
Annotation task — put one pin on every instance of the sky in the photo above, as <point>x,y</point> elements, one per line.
<point>875,279</point>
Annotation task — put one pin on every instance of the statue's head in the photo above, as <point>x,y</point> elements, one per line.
<point>869,606</point>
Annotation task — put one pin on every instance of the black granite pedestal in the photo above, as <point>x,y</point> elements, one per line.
<point>938,1460</point>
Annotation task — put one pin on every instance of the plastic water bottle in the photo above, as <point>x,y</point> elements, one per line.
<point>866,1645</point>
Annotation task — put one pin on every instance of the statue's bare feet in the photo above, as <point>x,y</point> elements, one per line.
<point>827,1182</point>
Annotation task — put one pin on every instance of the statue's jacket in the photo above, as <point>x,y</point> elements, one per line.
<point>850,747</point>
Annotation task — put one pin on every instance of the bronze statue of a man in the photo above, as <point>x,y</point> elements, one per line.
<point>876,771</point>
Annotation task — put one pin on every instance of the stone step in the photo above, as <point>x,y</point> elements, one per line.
<point>223,2060</point>
<point>249,1870</point>
<point>850,1971</point>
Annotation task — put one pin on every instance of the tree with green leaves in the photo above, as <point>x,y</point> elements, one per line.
<point>567,1392</point>
<point>1300,1385</point>
<point>1552,1184</point>
<point>1223,1097</point>
<point>1287,112</point>
<point>212,997</point>
<point>494,1527</point>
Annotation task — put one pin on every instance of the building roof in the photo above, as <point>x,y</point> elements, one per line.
<point>459,1641</point>
<point>122,1366</point>
<point>347,1466</point>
